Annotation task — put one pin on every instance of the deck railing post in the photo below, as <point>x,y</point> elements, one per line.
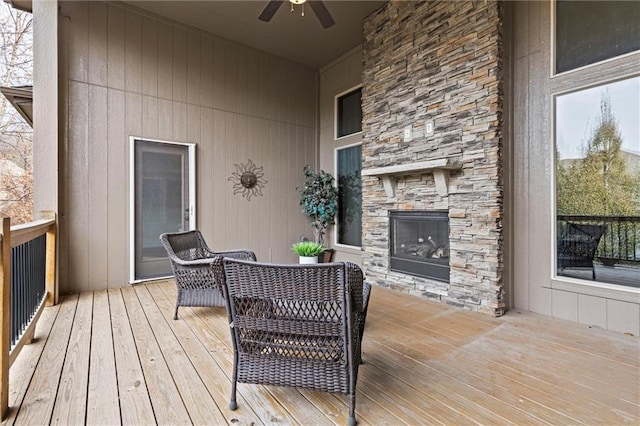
<point>5,314</point>
<point>50,282</point>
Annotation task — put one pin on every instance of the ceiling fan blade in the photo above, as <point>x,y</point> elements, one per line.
<point>270,10</point>
<point>322,13</point>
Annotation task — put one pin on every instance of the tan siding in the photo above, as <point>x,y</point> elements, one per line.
<point>165,61</point>
<point>520,198</point>
<point>79,43</point>
<point>133,75</point>
<point>592,311</point>
<point>117,197</point>
<point>77,212</point>
<point>115,47</point>
<point>179,65</point>
<point>97,67</point>
<point>193,68</point>
<point>623,317</point>
<point>133,52</point>
<point>150,117</point>
<point>206,185</point>
<point>149,56</point>
<point>98,188</point>
<point>207,77</point>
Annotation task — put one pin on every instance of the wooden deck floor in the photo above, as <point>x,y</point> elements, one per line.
<point>117,357</point>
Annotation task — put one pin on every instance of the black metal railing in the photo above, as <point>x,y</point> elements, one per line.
<point>28,263</point>
<point>620,243</point>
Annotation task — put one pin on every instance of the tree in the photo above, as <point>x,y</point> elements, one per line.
<point>319,200</point>
<point>599,184</point>
<point>16,67</point>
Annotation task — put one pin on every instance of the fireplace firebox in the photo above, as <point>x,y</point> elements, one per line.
<point>419,243</point>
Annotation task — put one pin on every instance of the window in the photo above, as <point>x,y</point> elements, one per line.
<point>349,113</point>
<point>598,183</point>
<point>591,31</point>
<point>349,166</point>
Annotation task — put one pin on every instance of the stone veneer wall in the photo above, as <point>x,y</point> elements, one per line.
<point>438,60</point>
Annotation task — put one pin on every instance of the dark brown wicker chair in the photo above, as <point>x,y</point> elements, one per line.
<point>296,325</point>
<point>577,245</point>
<point>191,262</point>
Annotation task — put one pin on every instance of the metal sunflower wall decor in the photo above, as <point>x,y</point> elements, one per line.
<point>248,180</point>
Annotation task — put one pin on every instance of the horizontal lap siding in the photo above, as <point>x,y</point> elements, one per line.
<point>133,75</point>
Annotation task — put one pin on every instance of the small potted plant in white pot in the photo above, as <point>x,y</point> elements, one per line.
<point>307,251</point>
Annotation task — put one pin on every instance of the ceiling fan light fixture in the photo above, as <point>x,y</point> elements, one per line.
<point>297,2</point>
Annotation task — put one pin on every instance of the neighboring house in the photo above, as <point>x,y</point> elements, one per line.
<point>441,107</point>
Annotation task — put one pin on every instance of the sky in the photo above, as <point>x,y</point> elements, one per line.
<point>577,114</point>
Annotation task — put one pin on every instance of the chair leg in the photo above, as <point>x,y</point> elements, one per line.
<point>233,404</point>
<point>352,410</point>
<point>175,314</point>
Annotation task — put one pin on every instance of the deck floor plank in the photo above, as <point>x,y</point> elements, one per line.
<point>484,358</point>
<point>102,399</point>
<point>424,364</point>
<point>199,403</point>
<point>202,320</point>
<point>75,371</point>
<point>135,403</point>
<point>41,395</point>
<point>26,363</point>
<point>167,403</point>
<point>196,345</point>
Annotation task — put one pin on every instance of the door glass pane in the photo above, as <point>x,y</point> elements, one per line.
<point>161,203</point>
<point>598,183</point>
<point>350,196</point>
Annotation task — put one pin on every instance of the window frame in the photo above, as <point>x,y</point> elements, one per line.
<point>336,244</point>
<point>335,113</point>
<point>563,87</point>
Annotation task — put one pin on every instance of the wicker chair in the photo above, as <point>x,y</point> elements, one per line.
<point>191,262</point>
<point>296,325</point>
<point>577,245</point>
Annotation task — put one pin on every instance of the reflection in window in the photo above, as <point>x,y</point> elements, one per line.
<point>350,196</point>
<point>598,183</point>
<point>349,113</point>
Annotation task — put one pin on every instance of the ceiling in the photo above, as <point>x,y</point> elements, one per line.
<point>289,35</point>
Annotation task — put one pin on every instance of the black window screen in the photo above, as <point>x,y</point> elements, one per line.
<point>591,31</point>
<point>350,113</point>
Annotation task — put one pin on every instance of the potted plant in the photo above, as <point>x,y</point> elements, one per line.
<point>319,200</point>
<point>307,251</point>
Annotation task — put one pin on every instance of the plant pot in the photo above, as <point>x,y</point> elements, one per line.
<point>305,260</point>
<point>326,256</point>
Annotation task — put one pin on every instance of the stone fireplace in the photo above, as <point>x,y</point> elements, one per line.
<point>432,105</point>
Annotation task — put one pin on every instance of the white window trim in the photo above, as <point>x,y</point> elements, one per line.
<point>335,114</point>
<point>335,228</point>
<point>132,200</point>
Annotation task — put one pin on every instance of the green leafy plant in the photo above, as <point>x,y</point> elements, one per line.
<point>307,248</point>
<point>319,200</point>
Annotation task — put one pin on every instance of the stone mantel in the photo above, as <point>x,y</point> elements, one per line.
<point>440,169</point>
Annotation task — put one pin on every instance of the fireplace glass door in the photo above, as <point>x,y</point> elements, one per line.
<point>420,243</point>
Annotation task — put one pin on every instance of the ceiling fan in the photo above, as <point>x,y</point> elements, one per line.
<point>317,6</point>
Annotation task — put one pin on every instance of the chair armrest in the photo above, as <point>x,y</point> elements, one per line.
<point>242,254</point>
<point>193,263</point>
